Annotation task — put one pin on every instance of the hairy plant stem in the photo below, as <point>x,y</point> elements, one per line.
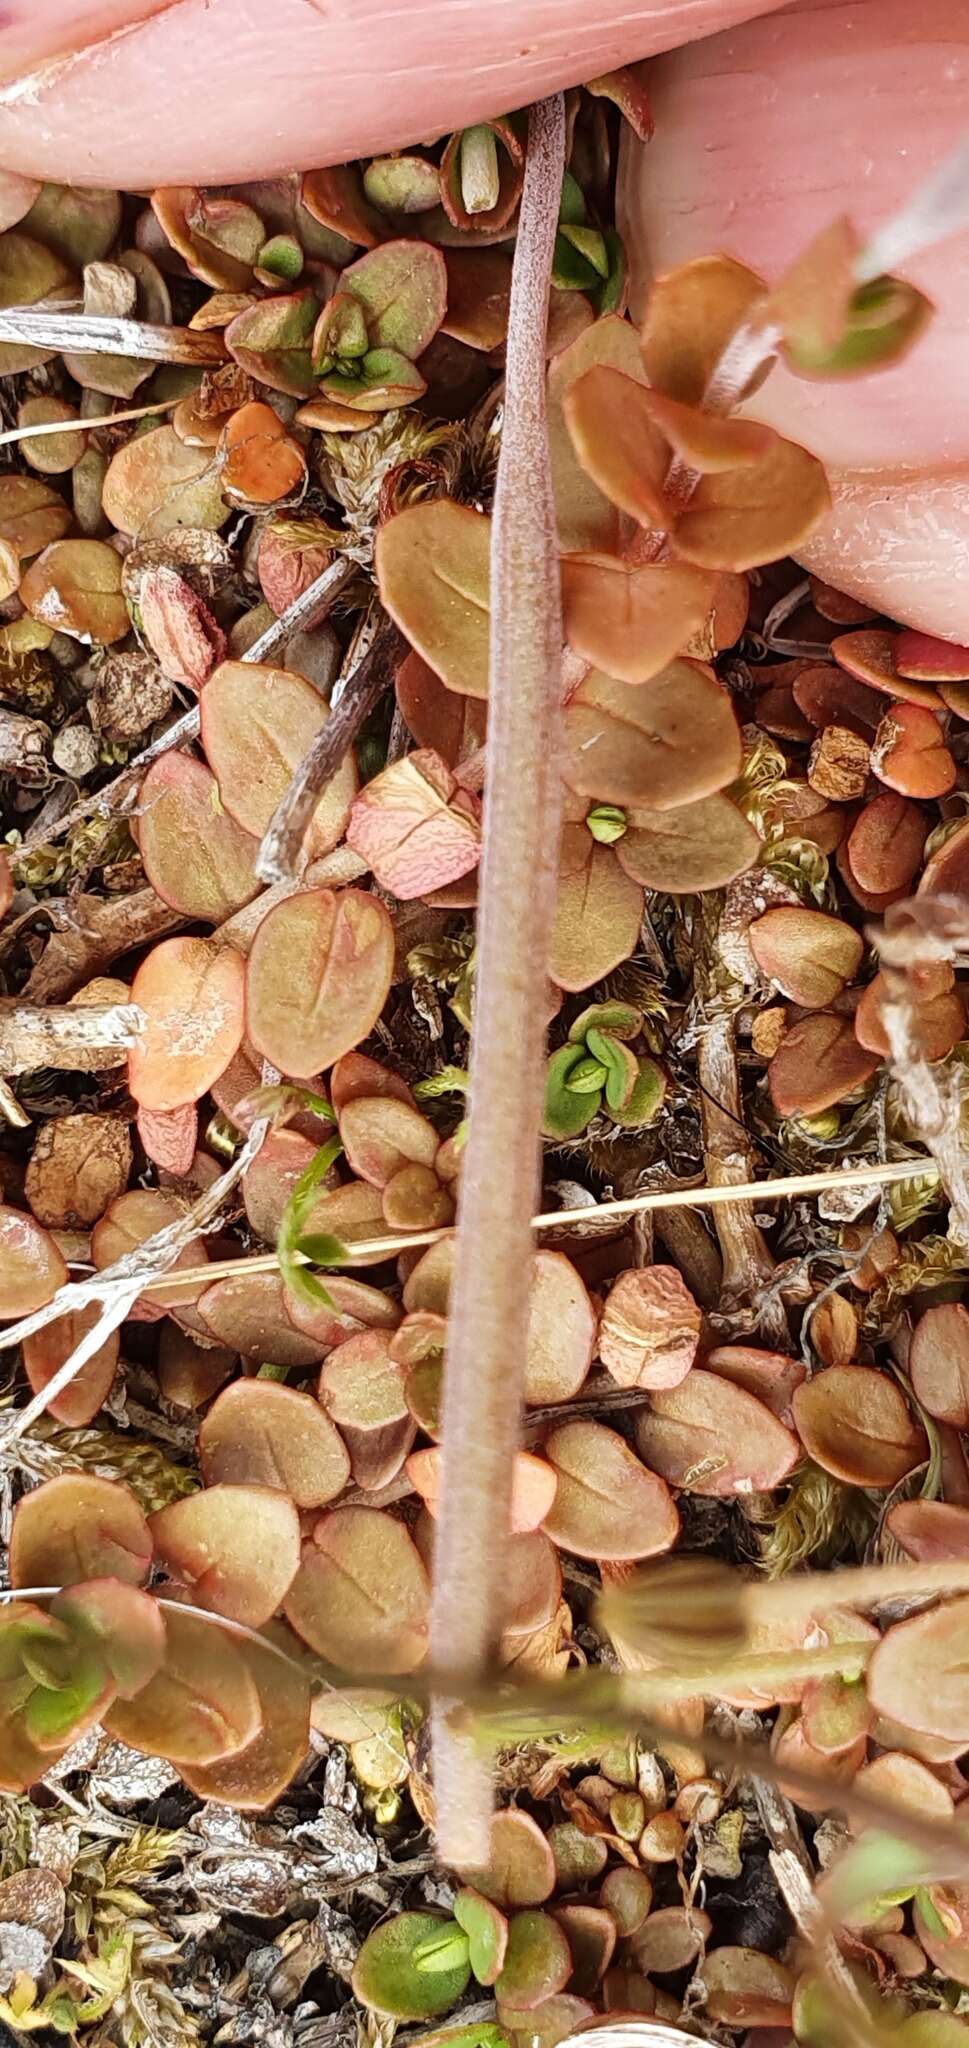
<point>748,1267</point>
<point>489,1302</point>
<point>281,852</point>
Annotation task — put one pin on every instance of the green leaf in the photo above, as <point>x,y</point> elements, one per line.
<point>294,1217</point>
<point>566,1113</point>
<point>402,287</point>
<point>885,317</point>
<point>620,1065</point>
<point>572,209</point>
<point>272,341</point>
<point>646,1100</point>
<point>385,379</point>
<point>588,1076</point>
<point>445,1950</point>
<point>282,256</point>
<point>450,1081</point>
<point>341,331</point>
<point>487,1933</point>
<point>621,1020</point>
<point>386,1976</point>
<point>323,1250</point>
<point>607,823</point>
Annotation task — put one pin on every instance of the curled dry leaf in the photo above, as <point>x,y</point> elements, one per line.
<point>247,1312</point>
<point>201,1706</point>
<point>663,745</point>
<point>75,587</point>
<point>917,1673</point>
<point>415,827</point>
<point>939,1362</point>
<point>235,1547</point>
<point>709,1436</point>
<point>809,956</point>
<point>650,1328</point>
<point>78,1527</point>
<point>259,1433</point>
<point>361,1597</point>
<point>48,1349</point>
<point>630,620</point>
<point>178,626</point>
<point>31,1266</point>
<point>196,857</point>
<point>855,1424</point>
<point>78,1165</point>
<point>261,463</point>
<point>817,1064</point>
<point>155,482</point>
<point>346,945</point>
<point>258,723</point>
<point>607,1505</point>
<point>534,1484</point>
<point>432,564</point>
<point>910,755</point>
<point>698,846</point>
<point>192,995</point>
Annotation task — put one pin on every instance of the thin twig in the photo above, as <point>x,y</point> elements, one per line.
<point>89,334</point>
<point>85,426</point>
<point>281,852</point>
<point>748,1266</point>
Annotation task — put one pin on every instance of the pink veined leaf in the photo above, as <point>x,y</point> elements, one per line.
<point>417,828</point>
<point>178,627</point>
<point>169,1136</point>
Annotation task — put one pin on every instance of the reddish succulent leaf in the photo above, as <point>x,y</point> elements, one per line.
<point>415,827</point>
<point>946,872</point>
<point>189,1373</point>
<point>123,1625</point>
<point>433,565</point>
<point>740,518</point>
<point>403,290</point>
<point>818,1063</point>
<point>598,911</point>
<point>356,1074</point>
<point>607,1506</point>
<point>532,1590</point>
<point>178,627</point>
<point>699,846</point>
<point>361,1596</point>
<point>48,1349</point>
<point>126,1223</point>
<point>258,723</point>
<point>910,754</point>
<point>382,1135</point>
<point>939,1362</point>
<point>75,587</point>
<point>272,340</point>
<point>170,1137</point>
<point>809,956</point>
<point>155,483</point>
<point>610,420</point>
<point>436,716</point>
<point>903,1780</point>
<point>235,1547</point>
<point>627,1896</point>
<point>31,1267</point>
<point>561,1330</point>
<point>487,1932</point>
<point>269,1180</point>
<point>362,1389</point>
<point>885,843</point>
<point>259,1433</point>
<point>201,1706</point>
<point>538,1962</point>
<point>345,943</point>
<point>691,314</point>
<point>78,1527</point>
<point>219,238</point>
<point>591,1935</point>
<point>829,696</point>
<point>534,1485</point>
<point>835,1715</point>
<point>586,516</point>
<point>927,660</point>
<point>521,1868</point>
<point>929,1530</point>
<point>428,1285</point>
<point>356,1307</point>
<point>630,620</point>
<point>855,1423</point>
<point>748,1989</point>
<point>917,1673</point>
<point>938,1020</point>
<point>255,1776</point>
<point>195,855</point>
<point>478,294</point>
<point>247,1313</point>
<point>769,1375</point>
<point>353,1214</point>
<point>650,1328</point>
<point>663,746</point>
<point>32,514</point>
<point>711,1437</point>
<point>288,563</point>
<point>870,655</point>
<point>192,995</point>
<point>261,463</point>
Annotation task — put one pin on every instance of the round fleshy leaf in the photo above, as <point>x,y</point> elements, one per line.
<point>272,340</point>
<point>156,482</point>
<point>195,855</point>
<point>78,1527</point>
<point>818,1063</point>
<point>356,1074</point>
<point>740,518</point>
<point>538,1961</point>
<point>586,516</point>
<point>748,1989</point>
<point>521,1867</point>
<point>885,843</point>
<point>32,515</point>
<point>598,911</point>
<point>917,1674</point>
<point>941,1920</point>
<point>354,1215</point>
<point>436,716</point>
<point>411,1967</point>
<point>258,723</point>
<point>870,655</point>
<point>532,1593</point>
<point>591,1934</point>
<point>29,272</point>
<point>261,462</point>
<point>855,1423</point>
<point>487,1932</point>
<point>381,1136</point>
<point>415,827</point>
<point>691,314</point>
<point>928,660</point>
<point>630,620</point>
<point>190,1373</point>
<point>219,238</point>
<point>269,1180</point>
<point>667,744</point>
<point>345,944</point>
<point>75,586</point>
<point>608,1505</point>
<point>51,454</point>
<point>929,1530</point>
<point>192,994</point>
<point>235,1547</point>
<point>259,1433</point>
<point>121,1624</point>
<point>618,444</point>
<point>433,565</point>
<point>201,1706</point>
<point>910,755</point>
<point>769,1375</point>
<point>561,1330</point>
<point>809,956</point>
<point>627,1896</point>
<point>247,1313</point>
<point>362,1389</point>
<point>699,846</point>
<point>31,1266</point>
<point>361,1597</point>
<point>711,1437</point>
<point>671,1938</point>
<point>126,1223</point>
<point>48,1349</point>
<point>402,184</point>
<point>938,1018</point>
<point>533,1489</point>
<point>402,288</point>
<point>650,1328</point>
<point>255,1776</point>
<point>356,1306</point>
<point>939,1362</point>
<point>946,872</point>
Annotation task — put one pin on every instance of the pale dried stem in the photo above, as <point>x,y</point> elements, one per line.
<point>748,1268</point>
<point>332,871</point>
<point>489,1302</point>
<point>280,855</point>
<point>33,1037</point>
<point>93,933</point>
<point>42,428</point>
<point>932,1100</point>
<point>92,335</point>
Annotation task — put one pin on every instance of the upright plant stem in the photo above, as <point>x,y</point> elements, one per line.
<point>489,1302</point>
